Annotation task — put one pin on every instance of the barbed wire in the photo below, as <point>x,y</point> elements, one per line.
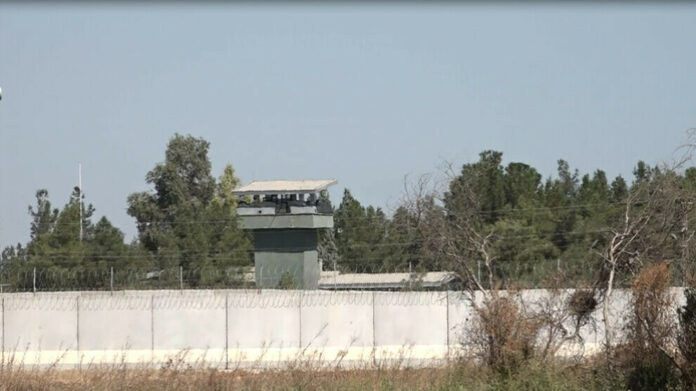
<point>232,302</point>
<point>219,300</point>
<point>404,275</point>
<point>335,288</point>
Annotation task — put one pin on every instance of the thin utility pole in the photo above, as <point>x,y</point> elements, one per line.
<point>79,186</point>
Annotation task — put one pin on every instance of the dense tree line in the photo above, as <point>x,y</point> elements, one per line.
<point>187,223</point>
<point>536,226</point>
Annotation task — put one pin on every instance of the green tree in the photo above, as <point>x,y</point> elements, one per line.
<point>43,217</point>
<point>62,258</point>
<point>190,220</point>
<point>521,182</point>
<point>523,252</point>
<point>362,236</point>
<point>642,172</point>
<point>350,231</point>
<point>560,197</point>
<point>487,182</point>
<point>105,251</point>
<point>226,185</point>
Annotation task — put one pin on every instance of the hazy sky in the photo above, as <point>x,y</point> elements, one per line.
<point>364,94</point>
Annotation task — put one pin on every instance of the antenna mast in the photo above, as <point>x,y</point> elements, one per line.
<point>79,186</point>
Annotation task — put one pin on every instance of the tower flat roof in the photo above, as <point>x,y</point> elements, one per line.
<point>284,187</point>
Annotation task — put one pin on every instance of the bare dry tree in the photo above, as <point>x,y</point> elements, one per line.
<point>418,197</point>
<point>687,235</point>
<point>621,253</point>
<point>563,313</point>
<point>454,233</point>
<point>653,227</point>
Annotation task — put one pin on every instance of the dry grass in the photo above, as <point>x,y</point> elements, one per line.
<point>654,358</point>
<point>503,332</point>
<point>209,379</point>
<point>457,376</point>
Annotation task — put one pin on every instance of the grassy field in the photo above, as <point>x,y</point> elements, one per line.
<point>461,376</point>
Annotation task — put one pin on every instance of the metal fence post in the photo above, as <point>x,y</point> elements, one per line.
<point>34,279</point>
<point>111,280</point>
<point>152,328</point>
<point>181,277</point>
<point>259,283</point>
<point>3,331</point>
<point>227,330</point>
<point>77,333</point>
<point>447,292</point>
<point>300,319</point>
<point>374,331</point>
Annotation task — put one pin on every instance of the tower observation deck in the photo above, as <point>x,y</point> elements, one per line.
<point>284,218</point>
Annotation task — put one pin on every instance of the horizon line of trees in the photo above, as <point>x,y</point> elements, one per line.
<point>189,222</point>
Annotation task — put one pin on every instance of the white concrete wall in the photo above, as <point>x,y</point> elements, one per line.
<point>263,326</point>
<point>337,326</point>
<point>112,324</point>
<point>237,328</point>
<point>410,325</point>
<point>189,326</point>
<point>41,328</point>
<point>460,315</point>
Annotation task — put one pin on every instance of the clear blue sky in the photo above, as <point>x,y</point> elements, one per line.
<point>361,93</point>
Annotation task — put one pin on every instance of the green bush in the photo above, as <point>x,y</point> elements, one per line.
<point>287,281</point>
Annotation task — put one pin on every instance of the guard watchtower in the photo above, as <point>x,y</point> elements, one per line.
<point>284,218</point>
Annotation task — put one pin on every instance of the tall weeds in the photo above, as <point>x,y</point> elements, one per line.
<point>652,355</point>
<point>502,333</point>
<point>460,376</point>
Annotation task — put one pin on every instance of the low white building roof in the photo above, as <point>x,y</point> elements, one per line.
<point>284,187</point>
<point>335,280</point>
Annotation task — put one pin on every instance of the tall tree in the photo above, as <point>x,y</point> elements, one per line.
<point>362,236</point>
<point>522,182</point>
<point>560,195</point>
<point>43,217</point>
<point>61,256</point>
<point>190,220</point>
<point>485,179</point>
<point>226,185</point>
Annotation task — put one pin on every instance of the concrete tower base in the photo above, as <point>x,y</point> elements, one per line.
<point>298,269</point>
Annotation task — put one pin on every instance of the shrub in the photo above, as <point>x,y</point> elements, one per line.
<point>582,304</point>
<point>651,323</point>
<point>287,281</point>
<point>503,334</point>
<point>651,332</point>
<point>686,339</point>
<point>687,326</point>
